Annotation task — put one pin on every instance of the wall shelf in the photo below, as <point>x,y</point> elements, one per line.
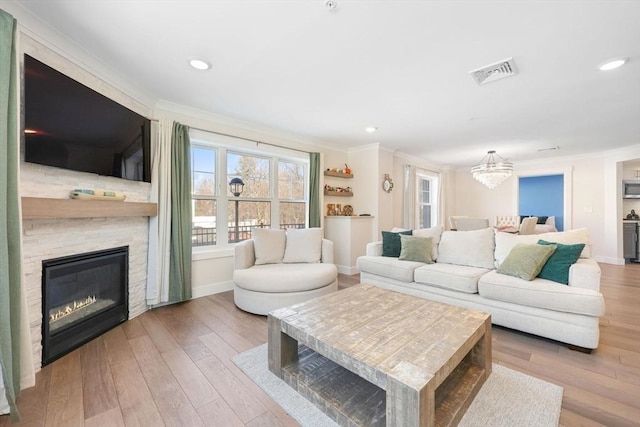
<point>39,208</point>
<point>339,193</point>
<point>338,174</point>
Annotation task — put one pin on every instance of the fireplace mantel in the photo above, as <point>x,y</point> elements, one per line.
<point>39,208</point>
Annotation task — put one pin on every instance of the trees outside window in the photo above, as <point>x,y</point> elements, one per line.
<point>275,188</point>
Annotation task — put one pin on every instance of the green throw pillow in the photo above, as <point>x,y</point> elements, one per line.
<point>557,267</point>
<point>526,261</point>
<point>416,248</point>
<point>391,243</point>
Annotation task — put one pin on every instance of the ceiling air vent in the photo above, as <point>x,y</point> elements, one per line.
<point>491,73</point>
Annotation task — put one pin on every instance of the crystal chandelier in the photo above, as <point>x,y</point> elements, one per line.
<point>492,170</point>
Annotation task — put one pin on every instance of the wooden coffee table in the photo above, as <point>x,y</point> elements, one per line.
<point>370,356</point>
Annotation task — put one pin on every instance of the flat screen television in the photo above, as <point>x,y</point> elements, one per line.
<point>71,126</point>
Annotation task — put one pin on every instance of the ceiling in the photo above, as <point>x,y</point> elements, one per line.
<point>401,66</point>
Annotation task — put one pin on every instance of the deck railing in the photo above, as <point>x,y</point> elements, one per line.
<point>205,236</point>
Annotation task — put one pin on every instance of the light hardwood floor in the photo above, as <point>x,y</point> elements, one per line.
<point>172,366</point>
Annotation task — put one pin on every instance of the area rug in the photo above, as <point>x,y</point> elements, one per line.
<point>508,398</point>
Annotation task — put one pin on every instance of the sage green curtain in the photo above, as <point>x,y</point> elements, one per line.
<point>10,233</point>
<point>180,253</point>
<point>314,190</point>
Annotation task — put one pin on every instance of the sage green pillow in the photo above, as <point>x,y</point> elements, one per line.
<point>557,267</point>
<point>526,261</point>
<point>391,243</point>
<point>416,248</point>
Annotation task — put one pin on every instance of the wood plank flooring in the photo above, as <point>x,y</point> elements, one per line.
<point>172,366</point>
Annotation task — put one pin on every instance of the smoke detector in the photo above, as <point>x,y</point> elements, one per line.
<point>331,4</point>
<point>496,71</point>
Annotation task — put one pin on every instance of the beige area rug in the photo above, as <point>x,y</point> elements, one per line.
<point>508,398</point>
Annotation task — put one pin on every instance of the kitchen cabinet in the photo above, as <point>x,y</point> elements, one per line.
<point>630,240</point>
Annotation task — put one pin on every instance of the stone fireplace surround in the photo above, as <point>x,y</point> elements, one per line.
<point>44,239</point>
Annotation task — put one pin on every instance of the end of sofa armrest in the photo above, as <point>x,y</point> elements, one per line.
<point>585,274</point>
<point>374,249</point>
<point>327,252</point>
<point>245,255</point>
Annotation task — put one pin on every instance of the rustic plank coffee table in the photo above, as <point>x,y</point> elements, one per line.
<point>370,356</point>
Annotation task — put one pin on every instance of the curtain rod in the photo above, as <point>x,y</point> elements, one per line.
<point>246,139</point>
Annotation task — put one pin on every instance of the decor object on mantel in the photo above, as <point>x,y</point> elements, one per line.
<point>96,194</point>
<point>492,170</point>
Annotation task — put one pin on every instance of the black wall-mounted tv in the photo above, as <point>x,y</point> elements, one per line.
<point>71,126</point>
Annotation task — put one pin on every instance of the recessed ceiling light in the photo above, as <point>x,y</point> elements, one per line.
<point>199,64</point>
<point>612,64</point>
<point>30,131</point>
<point>371,129</point>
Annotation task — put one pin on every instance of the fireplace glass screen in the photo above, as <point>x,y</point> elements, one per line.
<point>83,296</point>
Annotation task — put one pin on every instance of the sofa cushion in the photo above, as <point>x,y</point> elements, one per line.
<point>506,241</point>
<point>391,243</point>
<point>268,245</point>
<point>450,276</point>
<point>285,278</point>
<point>392,268</point>
<point>303,245</point>
<point>415,248</point>
<point>541,293</point>
<point>435,233</point>
<point>472,248</point>
<point>557,266</point>
<point>526,261</point>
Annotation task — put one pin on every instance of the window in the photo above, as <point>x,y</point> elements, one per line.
<point>291,195</point>
<point>427,199</point>
<point>203,185</point>
<point>275,189</point>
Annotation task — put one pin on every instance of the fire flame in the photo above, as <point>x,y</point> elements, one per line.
<point>72,307</point>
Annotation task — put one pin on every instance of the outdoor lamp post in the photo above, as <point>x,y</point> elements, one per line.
<point>236,185</point>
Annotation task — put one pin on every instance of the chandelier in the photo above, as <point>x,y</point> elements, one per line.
<point>492,170</point>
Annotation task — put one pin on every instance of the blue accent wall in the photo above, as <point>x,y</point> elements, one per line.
<point>542,196</point>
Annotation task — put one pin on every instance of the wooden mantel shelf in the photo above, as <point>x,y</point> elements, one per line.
<point>38,208</point>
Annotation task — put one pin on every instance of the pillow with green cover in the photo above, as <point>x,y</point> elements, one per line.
<point>416,248</point>
<point>391,243</point>
<point>526,261</point>
<point>557,266</point>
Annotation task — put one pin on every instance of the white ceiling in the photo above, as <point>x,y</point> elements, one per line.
<point>401,66</point>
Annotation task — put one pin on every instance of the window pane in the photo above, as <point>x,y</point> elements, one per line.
<point>250,214</point>
<point>204,223</point>
<point>425,216</point>
<point>253,170</point>
<point>290,181</point>
<point>203,170</point>
<point>292,215</point>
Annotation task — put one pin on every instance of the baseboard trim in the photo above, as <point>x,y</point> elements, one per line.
<point>211,289</point>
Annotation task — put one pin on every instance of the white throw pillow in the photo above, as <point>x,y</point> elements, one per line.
<point>434,233</point>
<point>303,245</point>
<point>506,241</point>
<point>472,248</point>
<point>268,245</point>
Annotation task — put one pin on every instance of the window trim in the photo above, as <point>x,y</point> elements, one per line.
<point>225,144</point>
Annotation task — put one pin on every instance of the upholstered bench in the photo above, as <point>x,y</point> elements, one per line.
<point>275,269</point>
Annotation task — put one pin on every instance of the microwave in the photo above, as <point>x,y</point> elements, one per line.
<point>631,189</point>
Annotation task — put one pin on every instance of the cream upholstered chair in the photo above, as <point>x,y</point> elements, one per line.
<point>453,219</point>
<point>467,224</point>
<point>507,221</point>
<point>528,225</point>
<point>273,270</point>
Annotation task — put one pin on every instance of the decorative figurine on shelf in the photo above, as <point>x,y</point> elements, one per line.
<point>338,209</point>
<point>331,209</point>
<point>633,215</point>
<point>346,169</point>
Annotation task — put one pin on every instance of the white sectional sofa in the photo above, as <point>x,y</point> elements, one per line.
<point>464,273</point>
